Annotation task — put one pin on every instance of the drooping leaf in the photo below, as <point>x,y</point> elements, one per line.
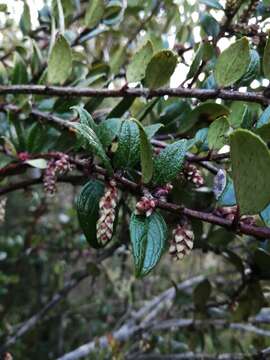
<point>85,118</point>
<point>25,21</point>
<point>19,73</point>
<point>168,163</point>
<point>146,154</point>
<point>148,238</point>
<point>160,69</point>
<point>217,134</point>
<point>92,143</point>
<point>128,150</point>
<point>88,209</point>
<point>251,171</point>
<point>233,63</point>
<point>60,61</point>
<point>137,67</point>
<point>94,13</point>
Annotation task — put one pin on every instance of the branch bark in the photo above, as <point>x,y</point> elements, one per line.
<point>202,94</point>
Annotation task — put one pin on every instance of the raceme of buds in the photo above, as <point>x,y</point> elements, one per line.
<point>182,242</point>
<point>163,191</point>
<point>231,5</point>
<point>55,167</point>
<point>107,213</point>
<point>193,175</point>
<point>146,205</point>
<point>230,212</point>
<point>50,178</point>
<point>3,202</point>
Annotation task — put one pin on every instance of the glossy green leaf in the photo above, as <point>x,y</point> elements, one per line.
<point>148,238</point>
<point>146,154</point>
<point>251,171</point>
<point>169,162</point>
<point>60,61</point>
<point>94,13</point>
<point>88,209</point>
<point>128,150</point>
<point>137,67</point>
<point>160,69</point>
<point>217,134</point>
<point>233,63</point>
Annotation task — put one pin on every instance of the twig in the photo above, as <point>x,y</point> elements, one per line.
<point>202,94</point>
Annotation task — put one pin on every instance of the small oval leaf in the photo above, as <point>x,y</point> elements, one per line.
<point>148,238</point>
<point>60,61</point>
<point>232,64</point>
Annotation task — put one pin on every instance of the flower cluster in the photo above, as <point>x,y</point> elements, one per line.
<point>107,212</point>
<point>146,205</point>
<point>182,242</point>
<point>162,192</point>
<point>55,167</point>
<point>3,202</point>
<point>193,175</point>
<point>230,213</point>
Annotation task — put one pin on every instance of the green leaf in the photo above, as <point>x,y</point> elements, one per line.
<point>88,209</point>
<point>148,238</point>
<point>94,13</point>
<point>85,118</point>
<point>262,260</point>
<point>160,69</point>
<point>37,163</point>
<point>60,61</point>
<point>25,21</point>
<point>251,171</point>
<point>239,113</point>
<point>253,70</point>
<point>168,163</point>
<point>266,59</point>
<point>217,134</point>
<point>233,63</point>
<point>152,129</point>
<point>117,59</point>
<point>210,25</point>
<point>128,150</point>
<point>201,294</point>
<point>19,73</point>
<point>214,4</point>
<point>203,113</point>
<point>108,130</point>
<point>137,67</point>
<point>146,154</point>
<point>91,142</point>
